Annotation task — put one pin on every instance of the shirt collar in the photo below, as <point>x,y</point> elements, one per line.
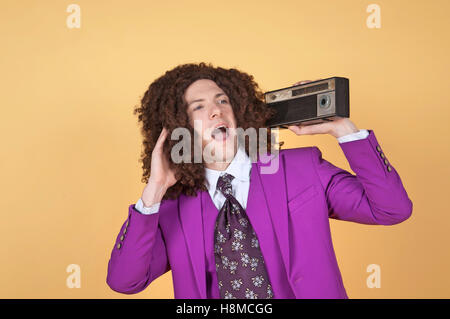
<point>239,167</point>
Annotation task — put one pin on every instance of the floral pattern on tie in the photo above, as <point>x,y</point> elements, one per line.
<point>240,266</point>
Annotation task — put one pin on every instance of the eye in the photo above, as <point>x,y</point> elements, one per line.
<point>198,107</point>
<point>224,101</point>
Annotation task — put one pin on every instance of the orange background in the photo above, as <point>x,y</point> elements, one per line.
<point>70,143</point>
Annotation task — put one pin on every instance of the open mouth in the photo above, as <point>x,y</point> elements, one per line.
<point>220,133</point>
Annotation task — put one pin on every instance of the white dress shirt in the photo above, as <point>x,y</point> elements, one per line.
<point>240,168</point>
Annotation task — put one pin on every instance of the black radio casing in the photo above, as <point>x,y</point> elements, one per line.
<point>310,103</point>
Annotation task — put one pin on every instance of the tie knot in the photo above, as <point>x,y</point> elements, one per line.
<point>224,184</point>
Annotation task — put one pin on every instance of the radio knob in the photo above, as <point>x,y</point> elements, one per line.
<point>325,101</point>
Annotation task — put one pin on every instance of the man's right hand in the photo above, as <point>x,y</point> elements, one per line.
<point>161,176</point>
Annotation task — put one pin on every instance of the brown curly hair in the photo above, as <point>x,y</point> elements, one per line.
<point>163,105</point>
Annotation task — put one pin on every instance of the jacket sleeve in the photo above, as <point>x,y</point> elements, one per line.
<point>139,254</point>
<point>374,196</point>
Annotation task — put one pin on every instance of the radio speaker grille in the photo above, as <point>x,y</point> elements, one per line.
<point>310,89</point>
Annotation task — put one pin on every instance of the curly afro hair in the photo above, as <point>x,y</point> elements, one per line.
<point>163,105</point>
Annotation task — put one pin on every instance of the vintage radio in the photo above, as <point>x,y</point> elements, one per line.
<point>309,103</point>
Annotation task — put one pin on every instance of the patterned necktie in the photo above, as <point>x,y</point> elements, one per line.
<point>241,272</point>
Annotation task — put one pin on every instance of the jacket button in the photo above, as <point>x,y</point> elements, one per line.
<point>378,148</point>
<point>389,168</point>
<point>119,245</point>
<point>125,231</point>
<point>386,161</point>
<point>122,237</point>
<point>382,155</point>
<point>128,222</point>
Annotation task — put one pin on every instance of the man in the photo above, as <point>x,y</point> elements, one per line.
<point>282,244</point>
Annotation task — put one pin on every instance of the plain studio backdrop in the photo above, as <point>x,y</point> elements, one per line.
<point>70,143</point>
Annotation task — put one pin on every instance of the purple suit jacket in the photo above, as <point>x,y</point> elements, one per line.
<point>295,202</point>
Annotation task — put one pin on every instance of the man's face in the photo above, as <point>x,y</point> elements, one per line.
<point>208,104</point>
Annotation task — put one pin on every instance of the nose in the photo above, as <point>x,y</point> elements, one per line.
<point>215,111</point>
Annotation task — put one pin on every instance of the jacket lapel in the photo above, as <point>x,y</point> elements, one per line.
<point>190,214</point>
<point>274,192</point>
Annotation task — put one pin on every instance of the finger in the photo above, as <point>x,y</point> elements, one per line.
<point>310,129</point>
<point>320,128</point>
<point>305,81</point>
<point>301,82</point>
<point>296,129</point>
<point>162,135</point>
<point>161,138</point>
